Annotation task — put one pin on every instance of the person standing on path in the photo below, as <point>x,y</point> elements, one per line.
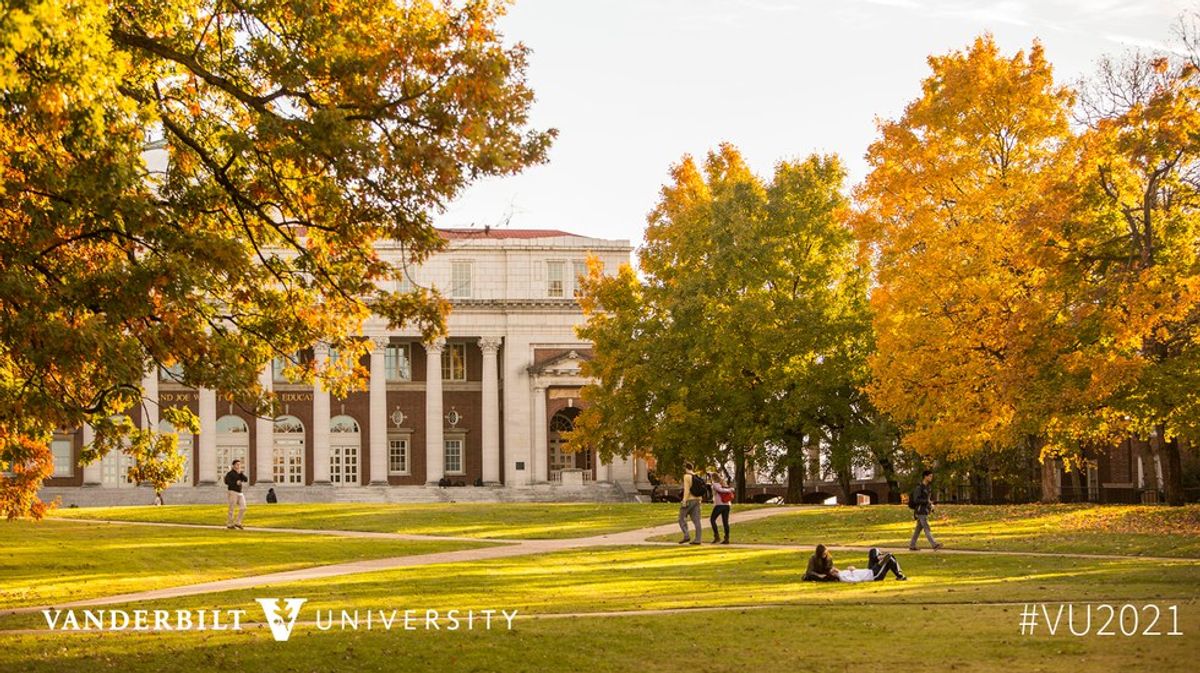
<point>722,504</point>
<point>689,504</point>
<point>237,500</point>
<point>920,501</point>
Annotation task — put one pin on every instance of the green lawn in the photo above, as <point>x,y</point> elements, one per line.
<point>958,612</point>
<point>830,638</point>
<point>1089,529</point>
<point>57,561</point>
<point>475,520</point>
<point>659,577</point>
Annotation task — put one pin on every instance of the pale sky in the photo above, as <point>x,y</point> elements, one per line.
<point>633,85</point>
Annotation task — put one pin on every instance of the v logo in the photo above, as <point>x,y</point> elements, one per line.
<point>279,628</point>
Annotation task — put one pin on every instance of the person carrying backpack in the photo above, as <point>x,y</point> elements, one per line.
<point>722,503</point>
<point>689,506</point>
<point>920,501</point>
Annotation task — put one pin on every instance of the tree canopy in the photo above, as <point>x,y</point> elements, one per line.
<point>745,339</point>
<point>298,134</point>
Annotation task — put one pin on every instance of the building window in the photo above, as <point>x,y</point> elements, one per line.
<point>454,362</point>
<point>173,373</point>
<point>398,456</point>
<point>277,366</point>
<point>404,284</point>
<point>554,280</point>
<point>287,455</point>
<point>580,272</point>
<point>453,457</point>
<point>397,362</point>
<point>460,280</point>
<point>233,443</point>
<point>64,465</point>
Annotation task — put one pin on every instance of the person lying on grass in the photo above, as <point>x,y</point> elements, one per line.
<point>821,568</point>
<point>878,565</point>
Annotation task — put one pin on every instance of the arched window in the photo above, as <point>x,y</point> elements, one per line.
<point>344,448</point>
<point>287,454</point>
<point>562,422</point>
<point>233,443</point>
<point>184,446</point>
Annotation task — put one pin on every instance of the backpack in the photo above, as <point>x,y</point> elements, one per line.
<point>726,498</point>
<point>699,488</point>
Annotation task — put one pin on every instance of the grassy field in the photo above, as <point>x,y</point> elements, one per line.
<point>475,520</point>
<point>57,561</point>
<point>827,639</point>
<point>1081,529</point>
<point>659,577</point>
<point>957,612</point>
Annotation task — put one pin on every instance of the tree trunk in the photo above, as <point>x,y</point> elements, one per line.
<point>1076,485</point>
<point>1172,469</point>
<point>843,477</point>
<point>893,484</point>
<point>795,472</point>
<point>739,472</point>
<point>1050,482</point>
<point>1146,451</point>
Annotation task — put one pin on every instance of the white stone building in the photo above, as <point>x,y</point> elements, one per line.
<point>485,406</point>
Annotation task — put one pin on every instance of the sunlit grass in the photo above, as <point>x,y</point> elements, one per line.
<point>57,561</point>
<point>1092,529</point>
<point>828,638</point>
<point>474,520</point>
<point>647,578</point>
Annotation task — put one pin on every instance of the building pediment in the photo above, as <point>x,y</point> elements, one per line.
<point>566,364</point>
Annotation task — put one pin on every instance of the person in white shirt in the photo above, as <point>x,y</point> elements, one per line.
<point>878,566</point>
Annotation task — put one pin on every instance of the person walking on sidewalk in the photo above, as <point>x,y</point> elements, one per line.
<point>920,501</point>
<point>722,504</point>
<point>689,505</point>
<point>234,479</point>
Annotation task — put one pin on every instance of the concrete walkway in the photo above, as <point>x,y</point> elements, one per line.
<point>502,548</point>
<point>506,549</point>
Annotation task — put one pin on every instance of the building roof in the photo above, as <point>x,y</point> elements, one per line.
<point>500,233</point>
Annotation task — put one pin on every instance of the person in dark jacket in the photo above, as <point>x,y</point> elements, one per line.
<point>271,497</point>
<point>921,503</point>
<point>820,567</point>
<point>234,479</point>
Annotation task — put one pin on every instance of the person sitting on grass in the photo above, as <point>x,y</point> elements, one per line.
<point>877,569</point>
<point>820,567</point>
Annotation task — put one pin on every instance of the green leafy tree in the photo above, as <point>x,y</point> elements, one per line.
<point>747,336</point>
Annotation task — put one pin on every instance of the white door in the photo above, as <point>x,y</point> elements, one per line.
<point>344,443</point>
<point>233,443</point>
<point>288,457</point>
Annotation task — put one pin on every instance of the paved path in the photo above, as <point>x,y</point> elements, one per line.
<point>503,548</point>
<point>507,549</point>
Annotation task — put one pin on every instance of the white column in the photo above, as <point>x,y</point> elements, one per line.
<point>264,435</point>
<point>207,460</point>
<point>91,471</point>
<point>490,433</point>
<point>434,449</point>
<point>378,413</point>
<point>150,399</point>
<point>539,465</point>
<point>320,424</point>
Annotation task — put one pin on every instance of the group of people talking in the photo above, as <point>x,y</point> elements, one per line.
<point>821,567</point>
